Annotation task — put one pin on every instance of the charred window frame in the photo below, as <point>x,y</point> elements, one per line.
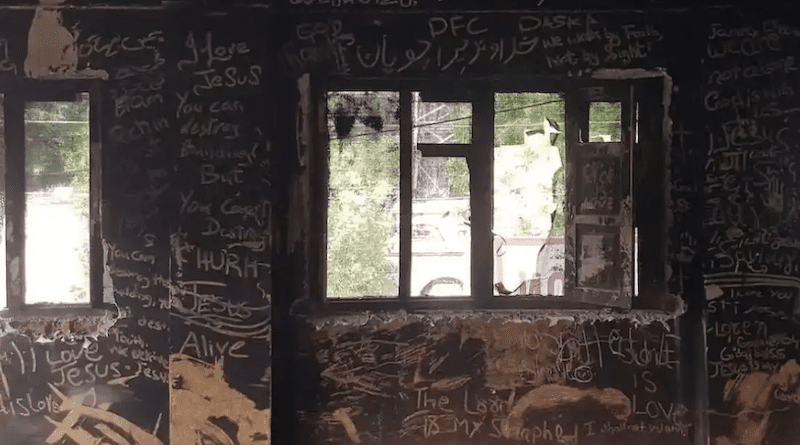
<point>16,98</point>
<point>644,169</point>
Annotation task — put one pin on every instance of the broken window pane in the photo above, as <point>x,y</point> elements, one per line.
<point>529,172</point>
<point>605,122</point>
<point>57,201</point>
<point>440,235</point>
<point>364,189</point>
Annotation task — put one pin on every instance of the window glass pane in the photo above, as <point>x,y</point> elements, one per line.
<point>440,234</point>
<point>528,220</point>
<point>57,201</point>
<point>364,194</point>
<point>443,122</point>
<point>605,122</point>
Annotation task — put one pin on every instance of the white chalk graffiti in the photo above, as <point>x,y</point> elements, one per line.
<point>197,303</point>
<point>107,427</point>
<point>737,279</point>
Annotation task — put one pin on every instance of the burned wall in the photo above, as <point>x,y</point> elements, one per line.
<point>497,380</point>
<point>186,203</point>
<point>752,212</point>
<point>221,246</point>
<point>731,247</point>
<point>486,377</point>
<point>197,111</point>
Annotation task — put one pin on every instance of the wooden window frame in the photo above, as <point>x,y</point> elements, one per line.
<point>650,92</point>
<point>16,95</point>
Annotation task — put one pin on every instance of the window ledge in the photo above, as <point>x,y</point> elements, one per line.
<point>52,322</point>
<point>501,305</point>
<point>577,316</point>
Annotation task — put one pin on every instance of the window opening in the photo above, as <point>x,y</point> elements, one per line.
<point>605,122</point>
<point>529,194</point>
<point>422,243</point>
<point>363,194</point>
<point>441,236</point>
<point>57,215</point>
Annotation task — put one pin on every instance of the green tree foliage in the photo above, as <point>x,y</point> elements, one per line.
<point>605,121</point>
<point>363,191</point>
<point>364,177</point>
<point>57,151</point>
<point>458,173</point>
<point>57,146</point>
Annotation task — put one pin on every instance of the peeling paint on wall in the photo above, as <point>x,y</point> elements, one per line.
<point>43,327</point>
<point>343,416</point>
<point>553,396</point>
<point>49,329</point>
<point>93,423</point>
<point>51,46</point>
<point>754,394</point>
<point>713,292</point>
<point>200,397</point>
<point>52,51</point>
<point>415,377</point>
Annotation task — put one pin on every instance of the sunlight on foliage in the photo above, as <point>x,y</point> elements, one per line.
<point>529,189</point>
<point>364,185</point>
<point>57,172</point>
<point>57,145</point>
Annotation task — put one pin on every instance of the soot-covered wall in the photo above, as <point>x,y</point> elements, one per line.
<point>206,204</point>
<point>562,377</point>
<point>186,119</point>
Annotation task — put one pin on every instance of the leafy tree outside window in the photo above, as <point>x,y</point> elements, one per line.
<point>57,189</point>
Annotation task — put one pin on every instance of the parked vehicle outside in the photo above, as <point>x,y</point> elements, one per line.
<point>440,260</point>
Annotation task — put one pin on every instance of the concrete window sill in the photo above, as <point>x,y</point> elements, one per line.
<point>52,322</point>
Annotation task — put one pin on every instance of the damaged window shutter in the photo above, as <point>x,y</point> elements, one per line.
<point>599,263</point>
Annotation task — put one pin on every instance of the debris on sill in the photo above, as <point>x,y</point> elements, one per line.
<point>45,329</point>
<point>393,320</point>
